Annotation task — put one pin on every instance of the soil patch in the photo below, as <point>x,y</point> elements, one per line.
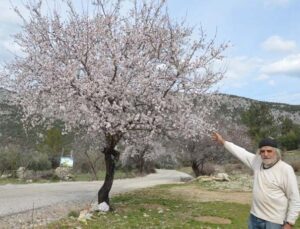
<point>196,194</point>
<point>213,219</point>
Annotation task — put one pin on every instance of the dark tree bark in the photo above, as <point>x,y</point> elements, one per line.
<point>111,156</point>
<point>142,162</point>
<point>195,168</point>
<point>198,167</point>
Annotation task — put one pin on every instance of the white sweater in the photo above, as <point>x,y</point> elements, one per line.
<point>275,190</point>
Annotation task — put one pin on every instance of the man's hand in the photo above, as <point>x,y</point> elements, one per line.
<point>218,138</point>
<point>287,226</point>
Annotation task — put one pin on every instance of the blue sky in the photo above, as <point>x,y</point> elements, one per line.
<point>263,61</point>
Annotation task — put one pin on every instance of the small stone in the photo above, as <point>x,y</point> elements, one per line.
<point>222,177</point>
<point>160,211</point>
<point>84,216</point>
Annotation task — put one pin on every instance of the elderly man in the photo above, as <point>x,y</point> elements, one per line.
<point>276,202</point>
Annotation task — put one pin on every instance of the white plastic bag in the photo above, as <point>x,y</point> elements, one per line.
<point>103,207</point>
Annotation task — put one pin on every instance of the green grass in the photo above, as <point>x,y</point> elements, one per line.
<point>159,208</point>
<point>156,208</point>
<point>11,181</point>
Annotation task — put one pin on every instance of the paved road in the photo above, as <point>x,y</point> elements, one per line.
<point>16,199</point>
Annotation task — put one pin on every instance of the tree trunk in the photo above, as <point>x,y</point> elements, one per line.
<point>110,156</point>
<point>195,167</point>
<point>142,161</point>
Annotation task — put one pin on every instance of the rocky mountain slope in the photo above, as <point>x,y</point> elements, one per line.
<point>233,106</point>
<point>229,105</point>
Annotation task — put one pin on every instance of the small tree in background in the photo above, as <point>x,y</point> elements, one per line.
<point>202,153</point>
<point>52,145</point>
<point>86,153</point>
<point>289,137</point>
<point>10,159</point>
<point>260,122</point>
<point>114,73</point>
<point>143,157</point>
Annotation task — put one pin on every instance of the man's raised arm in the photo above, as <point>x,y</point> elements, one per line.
<point>239,152</point>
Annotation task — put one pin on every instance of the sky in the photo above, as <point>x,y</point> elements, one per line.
<point>263,58</point>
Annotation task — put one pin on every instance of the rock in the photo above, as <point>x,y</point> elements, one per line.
<point>29,174</point>
<point>64,173</point>
<point>103,207</point>
<point>84,216</point>
<point>21,173</point>
<point>222,177</point>
<point>4,176</point>
<point>94,207</point>
<point>186,179</point>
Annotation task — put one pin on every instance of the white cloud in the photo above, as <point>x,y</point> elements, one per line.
<point>289,65</point>
<point>238,67</point>
<point>278,44</point>
<point>239,70</point>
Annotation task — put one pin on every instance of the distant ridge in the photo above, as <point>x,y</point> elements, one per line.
<point>230,106</point>
<point>297,107</point>
<point>233,106</point>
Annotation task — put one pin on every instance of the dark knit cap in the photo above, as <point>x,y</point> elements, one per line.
<point>268,142</point>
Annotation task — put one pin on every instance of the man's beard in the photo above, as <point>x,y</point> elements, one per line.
<point>268,163</point>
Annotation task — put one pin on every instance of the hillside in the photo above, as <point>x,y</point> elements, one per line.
<point>229,105</point>
<point>233,106</point>
<point>11,130</point>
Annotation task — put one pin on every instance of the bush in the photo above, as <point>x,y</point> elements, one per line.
<point>208,169</point>
<point>38,161</point>
<point>296,166</point>
<point>289,141</point>
<point>205,169</point>
<point>74,214</point>
<point>10,158</point>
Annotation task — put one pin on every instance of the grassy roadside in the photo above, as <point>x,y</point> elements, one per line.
<point>190,205</point>
<point>4,181</point>
<point>158,208</point>
<point>172,206</point>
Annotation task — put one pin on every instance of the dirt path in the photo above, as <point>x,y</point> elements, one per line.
<point>196,194</point>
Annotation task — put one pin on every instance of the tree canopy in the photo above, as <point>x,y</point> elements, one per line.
<point>129,75</point>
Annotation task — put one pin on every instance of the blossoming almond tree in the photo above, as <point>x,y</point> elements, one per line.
<point>128,75</point>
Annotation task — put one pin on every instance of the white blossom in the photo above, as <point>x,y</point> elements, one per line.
<point>114,72</point>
